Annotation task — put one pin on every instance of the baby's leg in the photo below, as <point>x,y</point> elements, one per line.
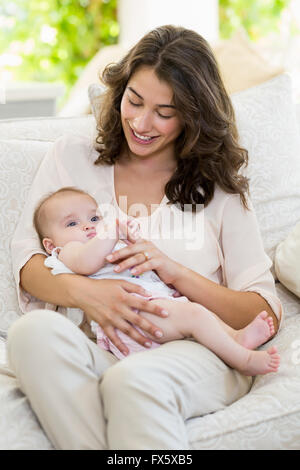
<point>256,333</point>
<point>173,326</point>
<point>193,320</point>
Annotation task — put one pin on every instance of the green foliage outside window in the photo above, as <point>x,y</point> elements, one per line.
<point>257,17</point>
<point>52,40</point>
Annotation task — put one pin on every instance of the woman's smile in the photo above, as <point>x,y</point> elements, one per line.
<point>142,139</point>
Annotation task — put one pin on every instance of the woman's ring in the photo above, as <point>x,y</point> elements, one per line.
<point>147,257</point>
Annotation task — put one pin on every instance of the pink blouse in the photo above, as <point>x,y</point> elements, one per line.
<point>222,242</point>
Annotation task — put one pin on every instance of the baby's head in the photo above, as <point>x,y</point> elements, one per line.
<point>66,215</point>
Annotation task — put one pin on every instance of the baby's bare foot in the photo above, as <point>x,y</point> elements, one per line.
<point>261,362</point>
<point>257,332</point>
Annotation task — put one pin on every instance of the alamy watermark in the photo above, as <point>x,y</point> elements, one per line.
<point>185,226</point>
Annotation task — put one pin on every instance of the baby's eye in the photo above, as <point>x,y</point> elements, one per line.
<point>95,218</point>
<point>71,224</point>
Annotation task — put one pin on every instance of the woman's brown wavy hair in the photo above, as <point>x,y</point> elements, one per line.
<point>207,150</point>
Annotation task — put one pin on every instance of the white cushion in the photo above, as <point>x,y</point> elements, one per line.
<point>287,261</point>
<point>268,129</point>
<point>241,55</point>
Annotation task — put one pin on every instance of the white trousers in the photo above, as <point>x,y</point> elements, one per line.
<point>85,398</point>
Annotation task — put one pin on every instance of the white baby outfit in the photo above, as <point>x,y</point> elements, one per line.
<point>148,280</point>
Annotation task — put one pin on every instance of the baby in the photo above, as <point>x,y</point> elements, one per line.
<point>78,241</point>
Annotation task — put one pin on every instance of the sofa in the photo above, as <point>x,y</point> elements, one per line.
<point>268,120</point>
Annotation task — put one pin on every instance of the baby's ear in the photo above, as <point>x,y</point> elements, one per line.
<point>48,245</point>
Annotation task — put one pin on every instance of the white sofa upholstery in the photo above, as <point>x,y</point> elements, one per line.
<point>269,416</point>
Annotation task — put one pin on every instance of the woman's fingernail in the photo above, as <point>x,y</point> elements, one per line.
<point>165,313</point>
<point>125,352</point>
<point>148,345</point>
<point>110,257</point>
<point>117,268</point>
<point>133,271</point>
<point>158,334</point>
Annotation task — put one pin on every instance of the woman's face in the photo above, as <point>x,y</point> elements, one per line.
<point>149,118</point>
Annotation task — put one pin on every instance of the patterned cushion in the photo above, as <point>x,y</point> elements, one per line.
<point>241,55</point>
<point>268,129</point>
<point>287,261</point>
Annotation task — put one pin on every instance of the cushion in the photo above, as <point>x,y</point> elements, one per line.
<point>95,93</point>
<point>268,129</point>
<point>287,261</point>
<point>241,65</point>
<point>78,101</point>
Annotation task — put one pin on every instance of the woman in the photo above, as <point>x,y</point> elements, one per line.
<point>167,139</point>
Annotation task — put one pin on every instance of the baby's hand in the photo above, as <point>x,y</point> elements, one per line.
<point>129,230</point>
<point>177,294</point>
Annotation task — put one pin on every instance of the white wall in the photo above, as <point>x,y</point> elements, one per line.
<point>137,17</point>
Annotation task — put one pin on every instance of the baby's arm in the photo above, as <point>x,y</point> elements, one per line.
<point>88,258</point>
<point>85,258</point>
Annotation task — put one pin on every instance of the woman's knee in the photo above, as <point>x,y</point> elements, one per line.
<point>136,374</point>
<point>31,334</point>
<point>33,325</point>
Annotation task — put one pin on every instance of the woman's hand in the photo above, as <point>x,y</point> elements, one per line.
<point>111,302</point>
<point>142,255</point>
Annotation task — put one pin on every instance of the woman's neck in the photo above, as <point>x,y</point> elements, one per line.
<point>148,164</point>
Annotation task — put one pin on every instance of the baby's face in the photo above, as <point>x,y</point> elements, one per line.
<point>71,217</point>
